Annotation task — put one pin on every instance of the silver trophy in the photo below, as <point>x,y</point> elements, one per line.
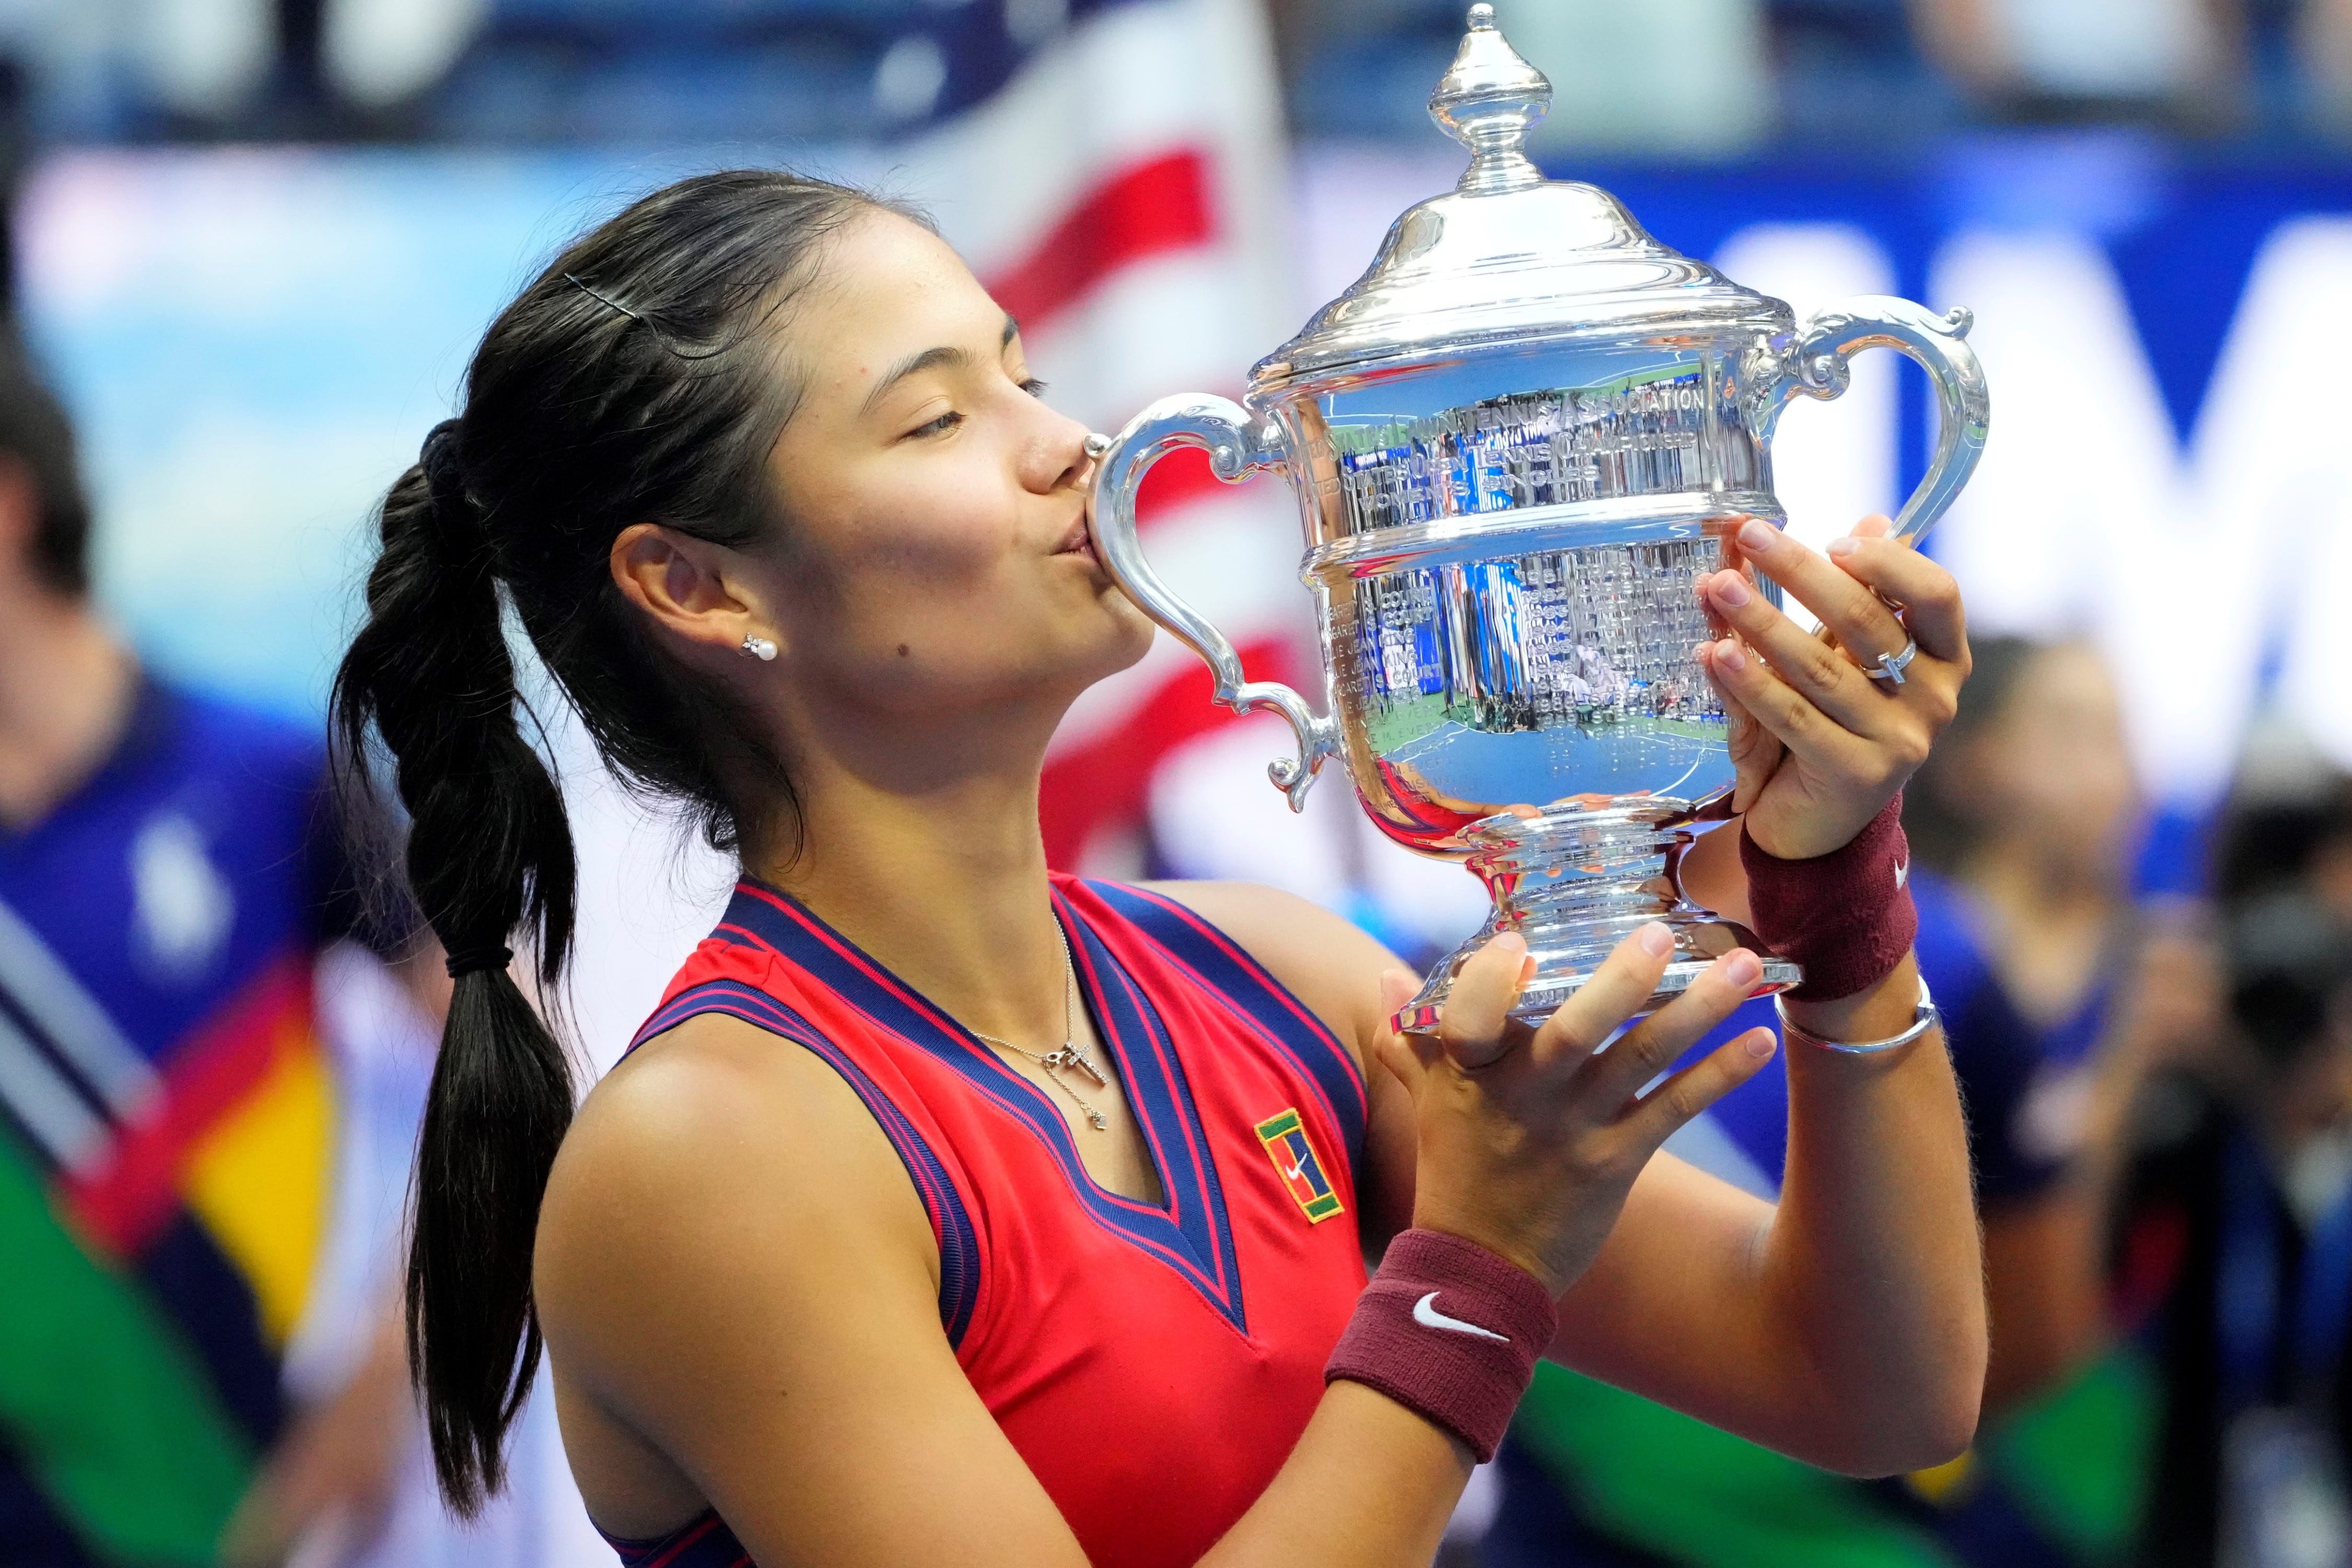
<point>1517,442</point>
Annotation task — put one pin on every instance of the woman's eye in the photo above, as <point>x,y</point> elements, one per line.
<point>1034,387</point>
<point>939,426</point>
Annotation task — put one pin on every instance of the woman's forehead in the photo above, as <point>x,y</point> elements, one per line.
<point>892,291</point>
<point>895,276</point>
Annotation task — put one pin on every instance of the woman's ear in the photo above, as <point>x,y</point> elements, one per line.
<point>680,583</point>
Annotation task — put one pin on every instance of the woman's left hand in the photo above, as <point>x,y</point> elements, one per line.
<point>1819,746</point>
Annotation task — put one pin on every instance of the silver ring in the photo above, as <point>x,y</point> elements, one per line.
<point>1891,664</point>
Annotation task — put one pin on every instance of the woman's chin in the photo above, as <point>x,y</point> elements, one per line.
<point>1130,634</point>
<point>1110,645</point>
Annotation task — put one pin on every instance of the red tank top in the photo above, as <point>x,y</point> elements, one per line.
<point>1153,1364</point>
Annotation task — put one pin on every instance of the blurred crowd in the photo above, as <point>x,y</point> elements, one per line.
<point>1669,76</point>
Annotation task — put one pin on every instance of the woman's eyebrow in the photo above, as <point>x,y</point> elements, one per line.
<point>929,359</point>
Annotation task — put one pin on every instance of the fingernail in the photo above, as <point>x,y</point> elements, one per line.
<point>1756,536</point>
<point>1742,968</point>
<point>1844,546</point>
<point>1730,590</point>
<point>1656,939</point>
<point>1728,654</point>
<point>1759,1043</point>
<point>1509,941</point>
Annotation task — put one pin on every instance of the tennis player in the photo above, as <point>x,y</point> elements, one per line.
<point>952,1210</point>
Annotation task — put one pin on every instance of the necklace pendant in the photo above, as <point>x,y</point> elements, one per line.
<point>1075,1060</point>
<point>1097,1118</point>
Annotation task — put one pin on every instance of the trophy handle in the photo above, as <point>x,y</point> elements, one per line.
<point>1239,444</point>
<point>1815,365</point>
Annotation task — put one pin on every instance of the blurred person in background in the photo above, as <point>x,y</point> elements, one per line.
<point>2324,37</point>
<point>2288,830</point>
<point>2195,64</point>
<point>169,872</point>
<point>2024,829</point>
<point>2022,824</point>
<point>2232,1227</point>
<point>2180,61</point>
<point>1681,77</point>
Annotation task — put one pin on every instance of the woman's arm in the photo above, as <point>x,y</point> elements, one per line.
<point>1836,1328</point>
<point>1844,1326</point>
<point>739,1288</point>
<point>1847,1325</point>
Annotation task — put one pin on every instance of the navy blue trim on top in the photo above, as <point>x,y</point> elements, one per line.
<point>1263,1002</point>
<point>1190,1233</point>
<point>950,1221</point>
<point>702,1542</point>
<point>1156,1086</point>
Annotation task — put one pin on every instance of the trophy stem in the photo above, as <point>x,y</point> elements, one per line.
<point>1575,881</point>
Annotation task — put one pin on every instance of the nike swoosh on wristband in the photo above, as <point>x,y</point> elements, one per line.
<point>1902,874</point>
<point>1427,1314</point>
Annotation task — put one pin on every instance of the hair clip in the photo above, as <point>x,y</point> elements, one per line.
<point>601,300</point>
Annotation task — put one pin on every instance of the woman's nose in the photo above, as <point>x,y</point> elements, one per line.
<point>1058,457</point>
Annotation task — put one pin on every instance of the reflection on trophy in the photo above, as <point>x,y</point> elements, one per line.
<point>1517,441</point>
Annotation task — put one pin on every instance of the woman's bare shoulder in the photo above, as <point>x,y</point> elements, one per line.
<point>1327,961</point>
<point>740,1296</point>
<point>669,1102</point>
<point>711,1149</point>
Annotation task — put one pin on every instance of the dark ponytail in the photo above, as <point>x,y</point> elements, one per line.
<point>489,849</point>
<point>638,379</point>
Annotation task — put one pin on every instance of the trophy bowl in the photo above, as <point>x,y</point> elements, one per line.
<point>1518,442</point>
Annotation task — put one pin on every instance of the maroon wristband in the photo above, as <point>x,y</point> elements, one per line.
<point>1845,916</point>
<point>1448,1328</point>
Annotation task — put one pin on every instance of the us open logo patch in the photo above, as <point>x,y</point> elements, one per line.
<point>1295,1162</point>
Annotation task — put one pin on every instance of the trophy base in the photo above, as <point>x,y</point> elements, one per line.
<point>1577,880</point>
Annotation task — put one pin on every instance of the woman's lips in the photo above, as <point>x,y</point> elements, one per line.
<point>1080,542</point>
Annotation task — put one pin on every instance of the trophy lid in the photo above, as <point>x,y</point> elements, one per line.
<point>1506,254</point>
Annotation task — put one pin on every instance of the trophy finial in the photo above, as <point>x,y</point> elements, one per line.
<point>1489,100</point>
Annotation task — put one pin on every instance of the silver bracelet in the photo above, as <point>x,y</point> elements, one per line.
<point>1926,1018</point>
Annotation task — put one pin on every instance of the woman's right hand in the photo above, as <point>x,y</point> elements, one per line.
<point>1530,1138</point>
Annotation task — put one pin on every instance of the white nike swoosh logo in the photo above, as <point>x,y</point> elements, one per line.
<point>1902,874</point>
<point>1427,1314</point>
<point>1294,1172</point>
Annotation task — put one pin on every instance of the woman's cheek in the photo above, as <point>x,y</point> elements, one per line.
<point>926,543</point>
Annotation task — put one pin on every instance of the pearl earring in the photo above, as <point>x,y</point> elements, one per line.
<point>759,648</point>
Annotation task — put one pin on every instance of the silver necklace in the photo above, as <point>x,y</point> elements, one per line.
<point>1072,1056</point>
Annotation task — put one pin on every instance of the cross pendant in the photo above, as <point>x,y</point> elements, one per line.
<point>1070,1057</point>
